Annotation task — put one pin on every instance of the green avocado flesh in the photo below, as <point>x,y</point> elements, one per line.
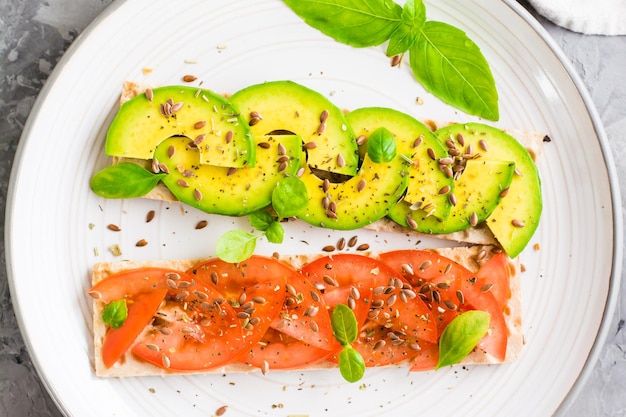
<point>361,200</point>
<point>426,181</point>
<point>222,137</point>
<point>478,191</point>
<point>288,106</point>
<point>228,191</point>
<point>514,221</point>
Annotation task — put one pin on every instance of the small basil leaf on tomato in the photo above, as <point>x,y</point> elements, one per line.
<point>235,246</point>
<point>275,233</point>
<point>461,336</point>
<point>124,180</point>
<point>381,146</point>
<point>289,197</point>
<point>344,324</point>
<point>351,364</point>
<point>115,313</point>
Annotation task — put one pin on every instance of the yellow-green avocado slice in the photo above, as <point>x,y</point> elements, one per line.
<point>359,201</point>
<point>477,193</point>
<point>428,185</point>
<point>514,221</point>
<point>228,191</point>
<point>288,106</point>
<point>222,137</point>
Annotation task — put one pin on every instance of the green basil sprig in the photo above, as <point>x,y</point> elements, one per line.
<point>345,329</point>
<point>115,314</point>
<point>288,199</point>
<point>461,336</point>
<point>443,58</point>
<point>124,180</point>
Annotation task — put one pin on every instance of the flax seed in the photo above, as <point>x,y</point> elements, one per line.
<point>189,78</point>
<point>114,227</point>
<point>201,224</point>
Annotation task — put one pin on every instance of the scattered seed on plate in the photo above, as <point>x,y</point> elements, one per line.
<point>201,224</point>
<point>141,243</point>
<point>363,247</point>
<point>189,78</point>
<point>114,227</point>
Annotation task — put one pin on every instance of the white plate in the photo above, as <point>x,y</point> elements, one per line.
<point>568,289</point>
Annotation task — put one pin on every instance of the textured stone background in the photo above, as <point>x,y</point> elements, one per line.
<point>35,33</point>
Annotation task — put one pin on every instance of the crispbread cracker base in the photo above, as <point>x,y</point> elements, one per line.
<point>129,365</point>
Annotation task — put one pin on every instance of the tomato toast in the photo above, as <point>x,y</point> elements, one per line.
<point>268,314</point>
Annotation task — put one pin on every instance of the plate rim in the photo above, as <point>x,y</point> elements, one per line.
<point>514,5</point>
<point>616,207</point>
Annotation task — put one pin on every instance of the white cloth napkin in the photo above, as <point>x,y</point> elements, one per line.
<point>594,17</point>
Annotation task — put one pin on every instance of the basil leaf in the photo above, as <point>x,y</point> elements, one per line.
<point>344,324</point>
<point>289,197</point>
<point>124,180</point>
<point>451,66</point>
<point>275,233</point>
<point>358,23</point>
<point>413,18</point>
<point>351,364</point>
<point>115,314</point>
<point>235,246</point>
<point>462,335</point>
<point>381,145</point>
<point>261,220</point>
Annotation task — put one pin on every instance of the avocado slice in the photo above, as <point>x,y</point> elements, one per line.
<point>515,219</point>
<point>477,192</point>
<point>428,185</point>
<point>287,106</point>
<point>222,137</point>
<point>228,191</point>
<point>359,201</point>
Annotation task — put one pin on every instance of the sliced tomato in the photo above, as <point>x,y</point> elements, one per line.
<point>279,351</point>
<point>304,315</point>
<point>255,289</point>
<point>494,276</point>
<point>348,279</point>
<point>141,310</point>
<point>194,330</point>
<point>128,283</point>
<point>449,289</point>
<point>398,322</point>
<point>426,357</point>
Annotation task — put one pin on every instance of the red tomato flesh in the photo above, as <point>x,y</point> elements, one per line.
<point>255,289</point>
<point>141,309</point>
<point>450,289</point>
<point>277,350</point>
<point>304,315</point>
<point>195,329</point>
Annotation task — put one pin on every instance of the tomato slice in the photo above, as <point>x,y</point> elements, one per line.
<point>196,329</point>
<point>141,309</point>
<point>255,289</point>
<point>304,315</point>
<point>494,276</point>
<point>126,284</point>
<point>398,323</point>
<point>449,288</point>
<point>279,351</point>
<point>348,279</point>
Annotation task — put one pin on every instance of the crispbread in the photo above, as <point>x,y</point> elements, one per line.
<point>466,256</point>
